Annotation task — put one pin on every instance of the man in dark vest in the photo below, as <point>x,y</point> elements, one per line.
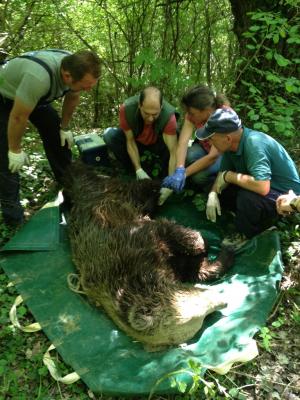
<point>28,84</point>
<point>147,122</point>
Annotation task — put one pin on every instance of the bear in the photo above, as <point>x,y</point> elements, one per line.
<point>139,269</point>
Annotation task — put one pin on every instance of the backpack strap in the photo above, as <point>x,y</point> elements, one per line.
<point>47,68</point>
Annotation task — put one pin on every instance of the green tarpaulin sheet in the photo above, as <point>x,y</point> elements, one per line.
<point>38,260</point>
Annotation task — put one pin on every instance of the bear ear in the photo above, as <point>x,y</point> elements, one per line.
<point>142,317</point>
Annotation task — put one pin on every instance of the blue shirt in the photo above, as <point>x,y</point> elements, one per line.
<point>262,157</point>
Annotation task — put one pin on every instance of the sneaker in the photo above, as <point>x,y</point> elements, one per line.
<point>235,241</point>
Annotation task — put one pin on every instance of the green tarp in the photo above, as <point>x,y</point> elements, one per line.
<point>38,260</point>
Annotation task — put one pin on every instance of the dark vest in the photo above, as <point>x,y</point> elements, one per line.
<point>136,122</point>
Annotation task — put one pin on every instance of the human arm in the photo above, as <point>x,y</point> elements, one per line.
<point>171,143</point>
<point>288,203</point>
<point>246,182</point>
<point>183,142</point>
<point>17,123</point>
<point>71,101</point>
<point>203,162</point>
<point>176,181</point>
<point>132,150</point>
<point>134,155</point>
<point>257,167</point>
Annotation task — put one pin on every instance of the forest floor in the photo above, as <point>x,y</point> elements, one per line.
<point>273,374</point>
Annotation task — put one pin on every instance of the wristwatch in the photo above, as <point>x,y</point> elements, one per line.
<point>295,203</point>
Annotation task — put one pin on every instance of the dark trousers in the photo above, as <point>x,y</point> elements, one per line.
<point>155,156</point>
<point>47,122</point>
<point>254,213</point>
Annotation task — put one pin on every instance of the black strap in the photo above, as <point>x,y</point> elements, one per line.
<point>47,68</point>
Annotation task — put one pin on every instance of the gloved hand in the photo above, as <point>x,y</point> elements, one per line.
<point>141,174</point>
<point>221,184</point>
<point>213,206</point>
<point>164,194</point>
<point>66,137</point>
<point>175,181</point>
<point>16,160</point>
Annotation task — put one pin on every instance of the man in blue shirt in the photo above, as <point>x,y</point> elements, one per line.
<point>255,168</point>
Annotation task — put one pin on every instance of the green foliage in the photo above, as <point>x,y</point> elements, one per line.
<point>296,313</point>
<point>22,373</point>
<point>158,71</point>
<point>200,201</point>
<point>266,335</point>
<point>140,42</point>
<point>152,160</point>
<point>214,387</point>
<point>269,77</point>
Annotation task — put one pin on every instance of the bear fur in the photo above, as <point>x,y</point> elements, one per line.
<point>138,269</point>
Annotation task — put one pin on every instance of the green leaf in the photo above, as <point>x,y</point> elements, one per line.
<point>233,392</point>
<point>276,38</point>
<point>269,55</point>
<point>281,61</point>
<point>43,371</point>
<point>273,78</point>
<point>290,88</point>
<point>293,40</point>
<point>265,128</point>
<point>22,310</point>
<point>255,28</point>
<point>182,386</point>
<point>282,33</point>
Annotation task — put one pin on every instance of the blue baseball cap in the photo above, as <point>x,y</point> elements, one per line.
<point>223,120</point>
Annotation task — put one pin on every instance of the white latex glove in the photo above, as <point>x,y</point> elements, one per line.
<point>141,174</point>
<point>221,184</point>
<point>66,137</point>
<point>164,194</point>
<point>213,206</point>
<point>16,160</point>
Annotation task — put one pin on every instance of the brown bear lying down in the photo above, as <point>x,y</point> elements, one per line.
<point>140,270</point>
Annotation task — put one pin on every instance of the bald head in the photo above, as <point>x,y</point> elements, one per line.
<point>150,103</point>
<point>150,94</point>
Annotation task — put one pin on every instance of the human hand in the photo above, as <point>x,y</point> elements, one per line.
<point>141,174</point>
<point>213,207</point>
<point>16,160</point>
<point>164,194</point>
<point>220,182</point>
<point>283,203</point>
<point>66,137</point>
<point>175,181</point>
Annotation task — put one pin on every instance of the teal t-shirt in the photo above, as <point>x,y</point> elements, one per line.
<point>262,157</point>
<point>30,81</point>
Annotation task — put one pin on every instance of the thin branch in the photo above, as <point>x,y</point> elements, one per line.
<point>82,39</point>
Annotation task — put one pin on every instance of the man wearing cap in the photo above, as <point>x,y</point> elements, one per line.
<point>147,122</point>
<point>255,170</point>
